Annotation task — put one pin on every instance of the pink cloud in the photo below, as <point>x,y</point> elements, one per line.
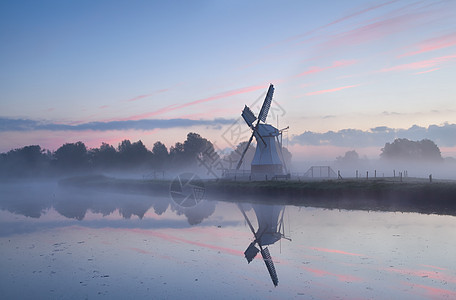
<point>147,95</point>
<point>433,44</point>
<point>424,64</point>
<point>173,107</point>
<point>210,114</point>
<point>377,29</point>
<point>331,90</point>
<point>427,71</point>
<point>334,251</point>
<point>357,13</point>
<point>103,106</point>
<point>335,64</point>
<point>344,18</point>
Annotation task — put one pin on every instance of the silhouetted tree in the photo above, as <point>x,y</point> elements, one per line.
<point>194,145</point>
<point>29,160</point>
<point>350,157</point>
<point>186,154</point>
<point>160,156</point>
<point>133,155</point>
<point>176,154</point>
<point>105,157</point>
<point>232,159</point>
<point>71,157</point>
<point>404,149</point>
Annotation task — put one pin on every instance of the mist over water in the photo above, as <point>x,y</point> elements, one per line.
<point>70,243</point>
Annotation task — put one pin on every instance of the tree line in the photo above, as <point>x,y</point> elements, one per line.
<point>400,149</point>
<point>76,157</point>
<point>32,161</point>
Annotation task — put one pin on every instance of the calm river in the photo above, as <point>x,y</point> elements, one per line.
<point>69,244</point>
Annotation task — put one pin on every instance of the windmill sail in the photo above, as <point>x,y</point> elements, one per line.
<point>248,116</point>
<point>266,104</point>
<point>270,265</point>
<point>251,252</point>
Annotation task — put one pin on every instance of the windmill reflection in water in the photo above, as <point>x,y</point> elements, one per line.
<point>270,230</point>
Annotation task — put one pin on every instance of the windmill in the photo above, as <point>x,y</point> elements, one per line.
<point>268,160</point>
<point>270,230</point>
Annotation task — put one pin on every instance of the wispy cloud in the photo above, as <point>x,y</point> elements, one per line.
<point>432,44</point>
<point>375,30</point>
<point>354,14</point>
<point>336,64</point>
<point>427,71</point>
<point>331,90</point>
<point>391,23</point>
<point>147,95</point>
<point>7,124</point>
<point>423,64</point>
<point>174,107</point>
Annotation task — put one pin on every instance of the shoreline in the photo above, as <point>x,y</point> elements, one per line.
<point>385,194</point>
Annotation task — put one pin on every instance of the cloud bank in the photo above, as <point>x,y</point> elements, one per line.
<point>8,124</point>
<point>443,136</point>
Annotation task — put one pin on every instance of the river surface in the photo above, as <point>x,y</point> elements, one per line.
<point>60,243</point>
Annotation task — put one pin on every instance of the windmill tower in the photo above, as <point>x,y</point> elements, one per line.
<point>268,160</point>
<point>270,230</point>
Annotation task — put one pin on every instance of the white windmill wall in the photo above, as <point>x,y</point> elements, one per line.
<point>266,163</point>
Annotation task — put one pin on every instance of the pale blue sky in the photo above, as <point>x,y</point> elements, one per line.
<point>335,65</point>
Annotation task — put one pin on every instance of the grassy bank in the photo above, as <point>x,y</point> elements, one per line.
<point>411,195</point>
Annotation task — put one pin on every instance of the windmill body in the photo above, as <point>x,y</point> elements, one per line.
<point>267,161</point>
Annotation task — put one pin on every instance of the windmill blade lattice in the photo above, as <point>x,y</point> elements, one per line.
<point>266,104</point>
<point>248,116</point>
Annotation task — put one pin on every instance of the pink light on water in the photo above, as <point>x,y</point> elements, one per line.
<point>334,251</point>
<point>433,292</point>
<point>340,277</point>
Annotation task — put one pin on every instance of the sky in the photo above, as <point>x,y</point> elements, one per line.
<point>348,75</point>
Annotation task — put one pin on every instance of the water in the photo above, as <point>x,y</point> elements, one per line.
<point>71,244</point>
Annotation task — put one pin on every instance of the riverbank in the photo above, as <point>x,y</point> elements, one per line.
<point>386,194</point>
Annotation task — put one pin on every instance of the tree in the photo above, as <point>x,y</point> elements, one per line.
<point>105,157</point>
<point>133,155</point>
<point>176,154</point>
<point>160,155</point>
<point>194,145</point>
<point>71,156</point>
<point>233,158</point>
<point>186,154</point>
<point>350,157</point>
<point>404,149</point>
<point>24,161</point>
